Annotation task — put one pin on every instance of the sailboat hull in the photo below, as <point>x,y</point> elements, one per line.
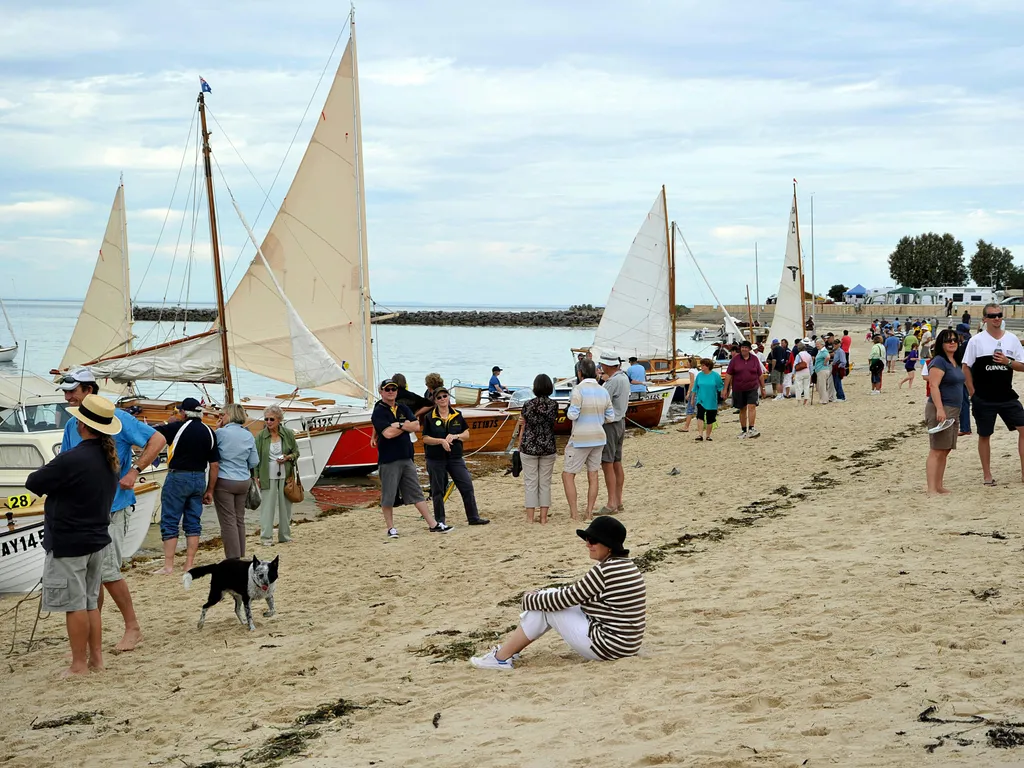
<point>7,354</point>
<point>490,431</point>
<point>21,559</point>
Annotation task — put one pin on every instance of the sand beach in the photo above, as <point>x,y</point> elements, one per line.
<point>808,604</point>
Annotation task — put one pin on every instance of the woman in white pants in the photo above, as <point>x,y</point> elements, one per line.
<point>537,447</point>
<point>802,364</point>
<point>602,616</point>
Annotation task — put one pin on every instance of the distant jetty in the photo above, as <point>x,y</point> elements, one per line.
<point>172,314</point>
<point>574,317</point>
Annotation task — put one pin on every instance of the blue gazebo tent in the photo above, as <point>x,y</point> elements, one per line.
<point>857,290</point>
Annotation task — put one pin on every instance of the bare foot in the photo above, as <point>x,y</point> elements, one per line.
<point>132,637</point>
<point>72,671</point>
<point>95,667</point>
<point>164,572</point>
<point>944,490</point>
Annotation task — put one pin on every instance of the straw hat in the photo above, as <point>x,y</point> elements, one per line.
<point>98,413</point>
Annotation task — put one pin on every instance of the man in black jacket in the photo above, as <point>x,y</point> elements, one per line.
<point>79,486</point>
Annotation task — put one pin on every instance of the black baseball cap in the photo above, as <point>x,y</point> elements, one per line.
<point>388,383</point>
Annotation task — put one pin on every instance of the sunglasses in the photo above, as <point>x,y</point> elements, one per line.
<point>390,389</point>
<point>591,540</point>
<point>992,316</point>
<point>440,397</point>
<point>270,418</point>
<point>69,380</point>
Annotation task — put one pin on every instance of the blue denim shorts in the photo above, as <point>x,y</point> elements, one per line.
<point>181,501</point>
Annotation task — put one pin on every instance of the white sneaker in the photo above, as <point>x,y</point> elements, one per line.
<point>490,661</point>
<point>392,533</point>
<point>779,397</point>
<point>741,436</point>
<point>752,432</point>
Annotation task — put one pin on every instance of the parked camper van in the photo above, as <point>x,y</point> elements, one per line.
<point>963,294</point>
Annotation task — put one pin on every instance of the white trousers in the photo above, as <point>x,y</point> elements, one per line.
<point>787,381</point>
<point>572,624</point>
<point>802,384</point>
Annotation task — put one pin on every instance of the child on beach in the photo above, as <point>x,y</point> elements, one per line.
<point>707,387</point>
<point>910,364</point>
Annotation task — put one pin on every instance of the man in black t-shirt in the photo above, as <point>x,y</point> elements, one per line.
<point>989,361</point>
<point>191,449</point>
<point>393,424</point>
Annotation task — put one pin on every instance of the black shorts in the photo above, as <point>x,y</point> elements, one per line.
<point>985,412</point>
<point>708,417</point>
<point>744,398</point>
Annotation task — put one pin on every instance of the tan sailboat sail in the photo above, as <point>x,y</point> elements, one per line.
<point>316,249</point>
<point>104,326</point>
<point>306,319</point>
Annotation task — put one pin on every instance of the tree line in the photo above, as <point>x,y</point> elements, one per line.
<point>932,259</point>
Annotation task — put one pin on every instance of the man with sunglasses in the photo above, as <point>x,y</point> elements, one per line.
<point>989,361</point>
<point>393,424</point>
<point>77,385</point>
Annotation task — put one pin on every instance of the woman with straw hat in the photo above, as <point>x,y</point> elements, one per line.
<point>602,616</point>
<point>79,486</point>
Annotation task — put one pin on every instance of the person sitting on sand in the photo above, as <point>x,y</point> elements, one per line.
<point>602,616</point>
<point>79,486</point>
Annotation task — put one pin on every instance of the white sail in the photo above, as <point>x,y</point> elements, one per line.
<point>10,328</point>
<point>637,319</point>
<point>316,249</point>
<point>192,359</point>
<point>104,325</point>
<point>788,323</point>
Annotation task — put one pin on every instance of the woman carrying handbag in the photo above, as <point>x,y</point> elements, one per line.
<point>278,453</point>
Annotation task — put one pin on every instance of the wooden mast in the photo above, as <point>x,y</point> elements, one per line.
<point>799,263</point>
<point>750,320</point>
<point>670,245</point>
<point>229,394</point>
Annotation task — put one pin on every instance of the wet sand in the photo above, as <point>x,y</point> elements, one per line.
<point>808,605</point>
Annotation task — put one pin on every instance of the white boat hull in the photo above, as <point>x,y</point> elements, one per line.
<point>7,354</point>
<point>21,559</point>
<point>137,521</point>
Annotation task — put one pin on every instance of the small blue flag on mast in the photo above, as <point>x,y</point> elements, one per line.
<point>205,86</point>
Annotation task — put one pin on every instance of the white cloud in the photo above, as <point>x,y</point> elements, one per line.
<point>55,207</point>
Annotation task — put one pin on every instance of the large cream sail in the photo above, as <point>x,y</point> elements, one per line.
<point>637,319</point>
<point>104,325</point>
<point>316,249</point>
<point>788,322</point>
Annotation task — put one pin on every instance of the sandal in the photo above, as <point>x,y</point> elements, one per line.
<point>990,483</point>
<point>700,439</point>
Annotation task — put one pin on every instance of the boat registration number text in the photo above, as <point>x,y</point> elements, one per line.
<point>20,501</point>
<point>21,543</point>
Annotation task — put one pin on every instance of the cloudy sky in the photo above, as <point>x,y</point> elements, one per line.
<point>513,149</point>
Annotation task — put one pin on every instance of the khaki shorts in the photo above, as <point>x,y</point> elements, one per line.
<point>72,583</point>
<point>578,458</point>
<point>614,433</point>
<point>112,553</point>
<point>946,439</point>
<point>399,477</point>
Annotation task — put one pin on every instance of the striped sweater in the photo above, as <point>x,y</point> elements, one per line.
<point>613,596</point>
<point>590,406</point>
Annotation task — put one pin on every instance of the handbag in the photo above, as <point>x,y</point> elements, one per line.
<point>517,464</point>
<point>293,487</point>
<point>253,498</point>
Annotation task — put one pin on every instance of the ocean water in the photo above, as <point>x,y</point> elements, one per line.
<point>465,354</point>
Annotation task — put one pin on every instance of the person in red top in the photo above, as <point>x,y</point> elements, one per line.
<point>846,342</point>
<point>744,378</point>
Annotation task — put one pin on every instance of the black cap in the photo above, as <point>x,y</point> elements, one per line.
<point>190,404</point>
<point>439,390</point>
<point>632,359</point>
<point>745,343</point>
<point>608,531</point>
<point>496,369</point>
<point>387,382</point>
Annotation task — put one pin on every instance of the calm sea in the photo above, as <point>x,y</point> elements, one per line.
<point>457,353</point>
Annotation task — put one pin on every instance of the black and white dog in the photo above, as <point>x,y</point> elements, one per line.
<point>246,581</point>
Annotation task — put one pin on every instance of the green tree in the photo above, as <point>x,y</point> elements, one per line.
<point>1015,278</point>
<point>836,293</point>
<point>928,259</point>
<point>991,266</point>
